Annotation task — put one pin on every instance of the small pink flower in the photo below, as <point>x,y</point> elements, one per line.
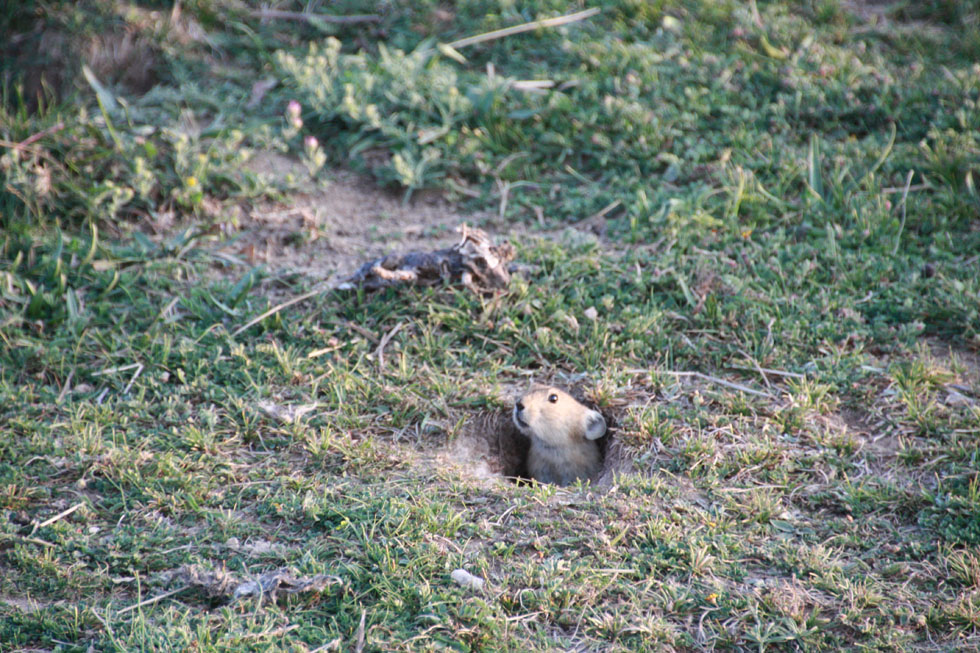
<point>293,109</point>
<point>311,143</point>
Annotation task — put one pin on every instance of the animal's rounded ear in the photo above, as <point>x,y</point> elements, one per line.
<point>595,425</point>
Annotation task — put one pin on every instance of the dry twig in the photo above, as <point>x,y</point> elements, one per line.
<point>273,632</point>
<point>710,379</point>
<point>359,646</point>
<point>905,197</point>
<point>474,260</point>
<point>307,17</point>
<point>60,515</point>
<point>380,351</point>
<point>152,600</point>
<point>276,309</point>
<point>22,145</point>
<point>524,27</point>
<point>24,538</point>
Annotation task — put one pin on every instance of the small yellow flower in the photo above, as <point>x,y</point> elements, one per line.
<point>713,599</point>
<point>746,233</point>
<point>191,182</point>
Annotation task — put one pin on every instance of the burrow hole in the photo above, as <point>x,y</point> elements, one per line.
<point>491,445</point>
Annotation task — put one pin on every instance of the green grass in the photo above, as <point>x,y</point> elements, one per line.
<point>760,234</point>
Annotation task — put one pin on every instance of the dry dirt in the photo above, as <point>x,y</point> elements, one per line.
<point>880,15</point>
<point>324,230</point>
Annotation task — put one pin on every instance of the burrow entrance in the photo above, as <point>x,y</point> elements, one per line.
<point>491,446</point>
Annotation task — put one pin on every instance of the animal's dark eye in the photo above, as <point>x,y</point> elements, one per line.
<point>553,398</point>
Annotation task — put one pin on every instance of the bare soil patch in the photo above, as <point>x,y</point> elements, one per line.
<point>880,15</point>
<point>326,231</point>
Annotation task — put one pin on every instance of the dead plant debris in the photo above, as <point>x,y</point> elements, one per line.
<point>222,585</point>
<point>474,261</point>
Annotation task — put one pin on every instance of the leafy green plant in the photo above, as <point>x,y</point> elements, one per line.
<point>955,511</point>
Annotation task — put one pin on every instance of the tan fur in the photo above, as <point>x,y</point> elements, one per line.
<point>563,436</point>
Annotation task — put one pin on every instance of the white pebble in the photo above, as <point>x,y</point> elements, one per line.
<point>466,579</point>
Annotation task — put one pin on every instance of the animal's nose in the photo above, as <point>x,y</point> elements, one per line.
<point>520,406</point>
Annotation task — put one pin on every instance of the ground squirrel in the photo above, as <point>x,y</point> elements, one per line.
<point>563,435</point>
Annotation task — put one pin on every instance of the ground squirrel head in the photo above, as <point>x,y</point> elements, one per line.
<point>555,418</point>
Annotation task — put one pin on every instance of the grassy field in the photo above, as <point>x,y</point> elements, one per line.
<point>749,231</point>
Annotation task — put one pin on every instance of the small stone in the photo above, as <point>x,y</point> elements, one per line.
<point>260,546</point>
<point>468,580</point>
<point>571,322</point>
<point>955,398</point>
<point>671,24</point>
